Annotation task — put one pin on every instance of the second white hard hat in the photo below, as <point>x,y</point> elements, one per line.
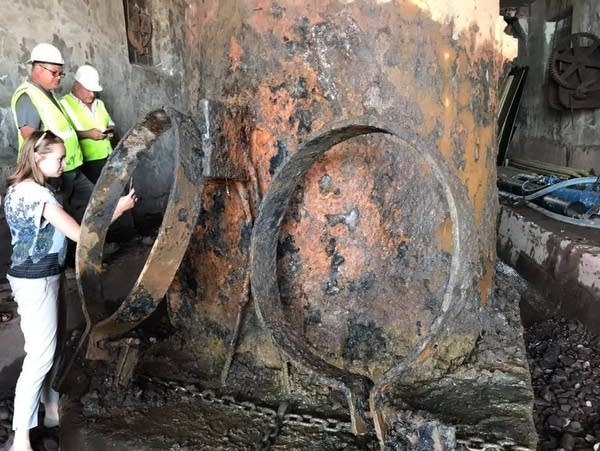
<point>88,77</point>
<point>46,53</point>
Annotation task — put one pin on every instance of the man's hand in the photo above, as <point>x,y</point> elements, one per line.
<point>92,133</point>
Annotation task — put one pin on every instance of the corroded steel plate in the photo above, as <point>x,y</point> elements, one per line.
<point>266,291</point>
<point>169,247</point>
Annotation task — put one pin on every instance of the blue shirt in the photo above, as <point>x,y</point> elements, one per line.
<point>38,248</point>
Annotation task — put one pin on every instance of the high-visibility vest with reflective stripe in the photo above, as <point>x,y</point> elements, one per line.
<point>53,118</point>
<point>83,119</point>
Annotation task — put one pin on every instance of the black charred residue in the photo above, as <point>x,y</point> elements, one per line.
<point>215,242</point>
<point>218,205</point>
<point>299,90</point>
<point>481,100</point>
<point>364,341</point>
<point>312,316</point>
<point>295,204</point>
<point>330,248</point>
<point>287,246</point>
<point>233,279</point>
<point>187,277</point>
<point>182,215</point>
<point>401,250</point>
<point>278,158</point>
<point>245,236</point>
<point>303,118</point>
<point>363,284</point>
<point>337,260</point>
<point>330,287</point>
<point>215,329</point>
<point>325,184</point>
<point>211,220</point>
<point>287,268</point>
<point>136,309</point>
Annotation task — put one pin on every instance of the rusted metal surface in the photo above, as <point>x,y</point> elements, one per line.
<point>263,251</point>
<point>223,139</point>
<point>96,220</point>
<point>166,254</point>
<point>169,247</point>
<point>362,256</point>
<point>264,271</point>
<point>128,355</point>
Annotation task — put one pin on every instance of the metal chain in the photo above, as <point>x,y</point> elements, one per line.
<point>269,437</point>
<point>277,419</point>
<point>476,444</point>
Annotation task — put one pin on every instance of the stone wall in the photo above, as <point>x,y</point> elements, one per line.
<point>564,138</point>
<point>93,32</point>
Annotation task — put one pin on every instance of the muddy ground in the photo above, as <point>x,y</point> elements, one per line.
<point>563,358</point>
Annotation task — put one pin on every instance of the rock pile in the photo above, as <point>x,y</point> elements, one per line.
<point>565,368</point>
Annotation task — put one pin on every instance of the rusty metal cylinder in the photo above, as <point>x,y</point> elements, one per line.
<point>368,140</point>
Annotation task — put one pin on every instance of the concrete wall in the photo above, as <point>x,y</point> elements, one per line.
<point>564,138</point>
<point>93,32</point>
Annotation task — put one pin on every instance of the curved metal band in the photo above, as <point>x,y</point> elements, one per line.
<point>263,253</point>
<point>171,243</point>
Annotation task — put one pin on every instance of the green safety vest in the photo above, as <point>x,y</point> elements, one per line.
<point>54,119</point>
<point>83,119</point>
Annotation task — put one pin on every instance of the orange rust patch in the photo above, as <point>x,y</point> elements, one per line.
<point>262,145</point>
<point>425,355</point>
<point>465,94</point>
<point>484,286</point>
<point>235,54</point>
<point>477,172</point>
<point>443,236</point>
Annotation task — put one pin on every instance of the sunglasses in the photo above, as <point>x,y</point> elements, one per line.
<point>55,73</point>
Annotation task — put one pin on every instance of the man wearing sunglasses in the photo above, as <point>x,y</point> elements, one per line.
<point>35,107</point>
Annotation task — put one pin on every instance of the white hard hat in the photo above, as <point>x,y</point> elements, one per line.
<point>46,53</point>
<point>88,77</point>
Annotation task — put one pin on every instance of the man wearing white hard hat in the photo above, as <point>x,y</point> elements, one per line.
<point>35,107</point>
<point>91,119</point>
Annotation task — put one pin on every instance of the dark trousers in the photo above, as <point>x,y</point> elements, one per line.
<point>76,190</point>
<point>93,169</point>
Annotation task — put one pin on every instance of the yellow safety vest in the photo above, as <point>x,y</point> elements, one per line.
<point>54,119</point>
<point>83,119</point>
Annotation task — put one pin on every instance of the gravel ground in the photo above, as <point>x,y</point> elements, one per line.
<point>565,367</point>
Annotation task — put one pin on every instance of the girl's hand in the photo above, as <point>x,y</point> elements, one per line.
<point>125,203</point>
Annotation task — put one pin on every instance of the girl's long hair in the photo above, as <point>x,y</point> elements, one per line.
<point>38,142</point>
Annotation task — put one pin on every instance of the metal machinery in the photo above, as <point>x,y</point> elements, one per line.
<point>575,73</point>
<point>343,187</point>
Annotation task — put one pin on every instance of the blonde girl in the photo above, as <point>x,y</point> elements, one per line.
<point>39,227</point>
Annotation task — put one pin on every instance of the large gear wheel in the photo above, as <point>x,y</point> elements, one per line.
<point>575,62</point>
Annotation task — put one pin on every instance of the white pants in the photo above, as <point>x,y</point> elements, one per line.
<point>37,301</point>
